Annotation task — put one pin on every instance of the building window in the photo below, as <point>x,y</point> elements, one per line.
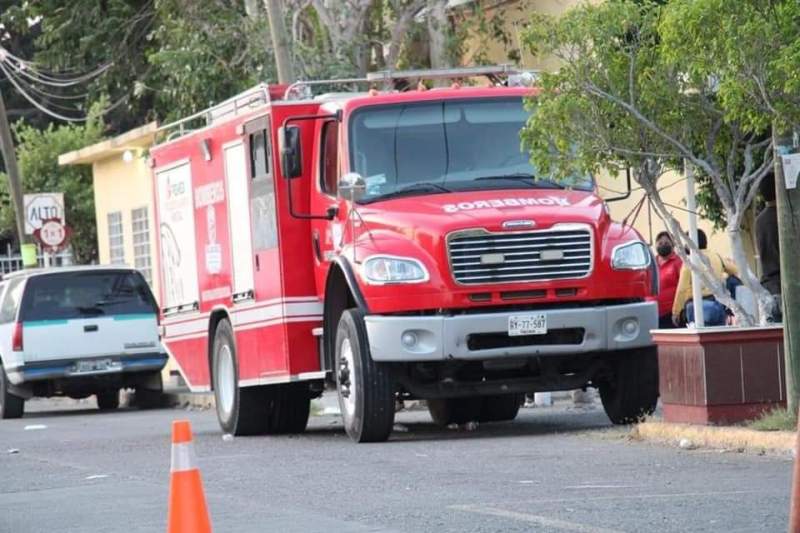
<point>116,241</point>
<point>141,243</point>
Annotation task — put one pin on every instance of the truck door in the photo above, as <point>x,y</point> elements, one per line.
<point>326,235</point>
<point>239,220</point>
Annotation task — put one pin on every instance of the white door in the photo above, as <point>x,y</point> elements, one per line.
<point>178,248</point>
<point>239,220</point>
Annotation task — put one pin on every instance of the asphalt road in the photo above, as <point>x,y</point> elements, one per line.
<point>554,469</point>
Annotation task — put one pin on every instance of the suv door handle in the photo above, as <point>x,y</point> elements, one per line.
<point>92,327</point>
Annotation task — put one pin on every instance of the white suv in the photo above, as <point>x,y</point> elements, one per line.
<point>77,332</point>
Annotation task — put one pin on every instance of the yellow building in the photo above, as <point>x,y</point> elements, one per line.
<point>123,199</point>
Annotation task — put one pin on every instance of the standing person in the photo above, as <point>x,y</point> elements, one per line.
<point>714,313</point>
<point>767,244</point>
<point>669,270</point>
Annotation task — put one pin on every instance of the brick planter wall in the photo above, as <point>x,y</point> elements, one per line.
<point>720,375</point>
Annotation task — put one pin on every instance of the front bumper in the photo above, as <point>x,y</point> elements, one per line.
<point>441,337</point>
<point>69,368</point>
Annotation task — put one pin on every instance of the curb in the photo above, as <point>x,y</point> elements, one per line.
<point>717,437</point>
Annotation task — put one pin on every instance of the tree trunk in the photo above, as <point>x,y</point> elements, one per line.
<point>788,206</point>
<point>12,170</point>
<point>280,41</point>
<point>437,34</point>
<point>762,298</point>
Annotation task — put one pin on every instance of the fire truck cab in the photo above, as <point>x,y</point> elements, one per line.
<point>392,245</point>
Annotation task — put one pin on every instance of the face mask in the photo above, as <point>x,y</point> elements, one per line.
<point>664,250</point>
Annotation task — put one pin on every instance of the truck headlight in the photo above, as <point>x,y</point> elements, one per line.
<point>630,256</point>
<point>380,269</point>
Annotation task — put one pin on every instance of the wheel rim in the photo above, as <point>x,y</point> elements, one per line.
<point>225,380</point>
<point>347,381</point>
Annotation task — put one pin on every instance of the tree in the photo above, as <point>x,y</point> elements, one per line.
<point>752,49</point>
<point>38,152</point>
<point>625,97</point>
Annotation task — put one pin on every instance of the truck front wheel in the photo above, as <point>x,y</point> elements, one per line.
<point>632,392</point>
<point>365,388</point>
<point>240,410</point>
<point>446,411</point>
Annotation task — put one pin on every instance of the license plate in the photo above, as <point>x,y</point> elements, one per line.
<point>96,365</point>
<point>532,324</point>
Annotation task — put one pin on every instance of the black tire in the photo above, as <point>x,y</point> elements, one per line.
<point>501,407</point>
<point>151,396</point>
<point>365,388</point>
<point>11,406</point>
<point>289,409</point>
<point>107,400</point>
<point>455,410</point>
<point>240,410</point>
<point>632,393</point>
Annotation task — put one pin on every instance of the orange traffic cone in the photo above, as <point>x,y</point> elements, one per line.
<point>187,502</point>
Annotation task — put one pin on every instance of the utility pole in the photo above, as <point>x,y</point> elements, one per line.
<point>788,207</point>
<point>14,179</point>
<point>280,41</point>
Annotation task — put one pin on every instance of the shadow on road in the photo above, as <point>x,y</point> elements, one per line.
<point>417,426</point>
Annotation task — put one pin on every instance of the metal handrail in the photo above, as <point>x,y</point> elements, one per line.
<point>258,95</point>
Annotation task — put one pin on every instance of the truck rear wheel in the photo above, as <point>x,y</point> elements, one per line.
<point>11,406</point>
<point>240,410</point>
<point>446,411</point>
<point>500,408</point>
<point>290,406</point>
<point>632,394</point>
<point>365,388</point>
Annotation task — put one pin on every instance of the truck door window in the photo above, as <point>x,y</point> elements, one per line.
<point>328,170</point>
<point>259,154</point>
<point>262,190</point>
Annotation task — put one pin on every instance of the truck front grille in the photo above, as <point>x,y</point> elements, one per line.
<point>477,256</point>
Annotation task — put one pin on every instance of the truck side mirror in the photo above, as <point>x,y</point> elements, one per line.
<point>351,187</point>
<point>291,160</point>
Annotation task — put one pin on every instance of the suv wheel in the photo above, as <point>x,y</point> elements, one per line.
<point>240,410</point>
<point>152,395</point>
<point>11,406</point>
<point>365,388</point>
<point>108,400</point>
<point>632,393</point>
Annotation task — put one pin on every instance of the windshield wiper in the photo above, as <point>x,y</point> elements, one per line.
<point>115,301</point>
<point>530,178</point>
<point>412,188</point>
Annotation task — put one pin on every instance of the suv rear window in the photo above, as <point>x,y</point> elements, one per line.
<point>71,295</point>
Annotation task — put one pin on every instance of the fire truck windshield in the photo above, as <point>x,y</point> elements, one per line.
<point>443,146</point>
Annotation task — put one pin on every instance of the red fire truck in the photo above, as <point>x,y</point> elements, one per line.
<point>392,244</point>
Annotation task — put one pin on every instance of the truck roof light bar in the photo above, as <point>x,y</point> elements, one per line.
<point>301,89</point>
<point>444,73</point>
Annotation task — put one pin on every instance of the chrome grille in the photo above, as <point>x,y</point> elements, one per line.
<point>477,256</point>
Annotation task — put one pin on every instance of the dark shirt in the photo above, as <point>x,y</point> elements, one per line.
<point>768,249</point>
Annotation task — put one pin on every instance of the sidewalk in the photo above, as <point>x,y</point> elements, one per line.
<point>725,438</point>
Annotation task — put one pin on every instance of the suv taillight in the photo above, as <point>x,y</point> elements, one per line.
<point>16,340</point>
